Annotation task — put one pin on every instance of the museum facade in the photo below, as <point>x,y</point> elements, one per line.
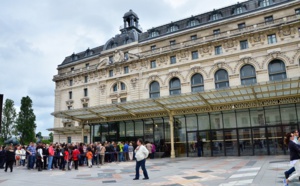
<point>226,82</point>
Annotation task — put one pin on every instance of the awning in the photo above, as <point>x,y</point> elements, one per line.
<point>70,130</point>
<point>257,95</point>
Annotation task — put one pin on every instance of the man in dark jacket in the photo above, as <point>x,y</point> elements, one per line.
<point>2,157</point>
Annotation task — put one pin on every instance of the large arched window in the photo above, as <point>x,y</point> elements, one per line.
<point>197,83</point>
<point>221,79</point>
<point>248,75</point>
<point>277,70</point>
<point>123,86</point>
<point>174,86</point>
<point>154,90</point>
<point>115,87</point>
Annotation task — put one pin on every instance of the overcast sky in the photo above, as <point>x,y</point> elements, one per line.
<point>36,36</point>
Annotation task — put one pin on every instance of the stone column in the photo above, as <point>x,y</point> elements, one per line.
<point>171,121</point>
<point>82,135</point>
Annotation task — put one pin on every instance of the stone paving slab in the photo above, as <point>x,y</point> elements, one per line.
<point>210,171</point>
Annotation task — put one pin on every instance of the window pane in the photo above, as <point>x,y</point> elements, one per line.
<point>288,114</point>
<point>129,128</point>
<point>175,83</point>
<point>154,87</point>
<point>276,66</point>
<point>249,81</point>
<point>148,135</point>
<point>247,71</point>
<point>222,85</point>
<point>197,79</point>
<point>154,95</point>
<point>221,75</point>
<point>191,123</point>
<point>197,88</point>
<point>276,77</point>
<point>243,118</point>
<point>216,120</point>
<point>203,122</point>
<point>229,119</point>
<point>122,129</point>
<point>175,92</point>
<point>180,136</point>
<point>139,127</point>
<point>257,117</point>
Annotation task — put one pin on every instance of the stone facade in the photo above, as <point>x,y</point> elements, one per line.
<point>99,74</point>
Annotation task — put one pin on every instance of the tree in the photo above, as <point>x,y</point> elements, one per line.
<point>26,121</point>
<point>8,119</point>
<point>51,137</point>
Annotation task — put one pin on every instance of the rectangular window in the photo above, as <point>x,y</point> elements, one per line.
<point>85,92</point>
<point>123,100</point>
<point>71,82</point>
<point>153,64</point>
<point>72,69</point>
<point>193,37</point>
<point>69,107</point>
<point>269,19</point>
<point>272,39</point>
<point>297,11</point>
<point>85,105</point>
<point>69,139</point>
<point>173,42</point>
<point>126,56</point>
<point>126,70</point>
<point>244,44</point>
<point>153,47</point>
<point>218,50</point>
<point>86,79</point>
<point>241,26</point>
<point>173,59</point>
<point>114,101</point>
<point>70,95</point>
<point>216,32</point>
<point>87,65</point>
<point>195,55</point>
<point>111,59</point>
<point>111,73</point>
<point>85,139</point>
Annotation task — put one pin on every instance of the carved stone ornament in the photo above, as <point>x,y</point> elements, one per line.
<point>85,100</point>
<point>118,56</point>
<point>102,88</point>
<point>134,82</point>
<point>69,102</point>
<point>183,56</point>
<point>229,44</point>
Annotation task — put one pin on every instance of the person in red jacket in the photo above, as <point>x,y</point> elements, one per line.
<point>75,155</point>
<point>66,159</point>
<point>50,157</point>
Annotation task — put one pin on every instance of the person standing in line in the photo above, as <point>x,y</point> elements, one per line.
<point>39,157</point>
<point>89,157</point>
<point>130,151</point>
<point>294,157</point>
<point>102,153</point>
<point>125,151</point>
<point>75,155</point>
<point>66,158</point>
<point>153,150</point>
<point>50,157</point>
<point>45,155</point>
<point>9,158</point>
<point>23,156</point>
<point>149,148</point>
<point>141,153</point>
<point>18,156</point>
<point>2,157</point>
<point>31,150</point>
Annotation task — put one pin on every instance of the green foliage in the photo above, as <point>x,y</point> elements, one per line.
<point>46,141</point>
<point>26,122</point>
<point>51,137</point>
<point>8,119</point>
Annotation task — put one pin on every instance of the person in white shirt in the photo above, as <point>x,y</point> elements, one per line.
<point>141,153</point>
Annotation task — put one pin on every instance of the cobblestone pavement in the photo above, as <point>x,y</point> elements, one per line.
<point>210,171</point>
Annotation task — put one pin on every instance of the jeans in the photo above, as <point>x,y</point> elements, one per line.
<point>31,161</point>
<point>199,151</point>
<point>290,171</point>
<point>120,156</point>
<point>142,164</point>
<point>50,159</point>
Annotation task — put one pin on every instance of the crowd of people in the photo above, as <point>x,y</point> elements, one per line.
<point>68,156</point>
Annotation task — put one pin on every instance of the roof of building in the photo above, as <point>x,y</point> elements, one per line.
<point>131,35</point>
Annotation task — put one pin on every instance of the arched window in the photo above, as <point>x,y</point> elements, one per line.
<point>248,75</point>
<point>115,87</point>
<point>123,86</point>
<point>221,79</point>
<point>197,83</point>
<point>175,86</point>
<point>277,70</point>
<point>154,90</point>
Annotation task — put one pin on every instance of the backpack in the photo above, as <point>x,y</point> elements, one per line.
<point>38,155</point>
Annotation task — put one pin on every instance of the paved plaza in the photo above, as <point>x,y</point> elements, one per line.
<point>210,171</point>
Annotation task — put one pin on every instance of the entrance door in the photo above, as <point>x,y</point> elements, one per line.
<point>218,143</point>
<point>199,144</point>
<point>275,140</point>
<point>259,141</point>
<point>231,143</point>
<point>245,142</point>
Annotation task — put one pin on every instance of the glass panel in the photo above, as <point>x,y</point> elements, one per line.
<point>154,87</point>
<point>257,117</point>
<point>122,129</point>
<point>229,119</point>
<point>148,133</point>
<point>113,131</point>
<point>275,140</point>
<point>259,140</point>
<point>192,142</point>
<point>298,112</point>
<point>245,142</point>
<point>97,133</point>
<point>175,83</point>
<point>197,79</point>
<point>221,75</point>
<point>175,92</point>
<point>205,137</point>
<point>129,129</point>
<point>272,115</point>
<point>199,146</point>
<point>216,120</point>
<point>288,114</point>
<point>167,145</point>
<point>154,95</point>
<point>104,135</point>
<point>231,144</point>
<point>139,133</point>
<point>249,81</point>
<point>198,89</point>
<point>247,71</point>
<point>203,122</point>
<point>180,137</point>
<point>243,118</point>
<point>191,123</point>
<point>159,140</point>
<point>222,84</point>
<point>218,143</point>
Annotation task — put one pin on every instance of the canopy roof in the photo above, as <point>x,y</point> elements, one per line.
<point>208,101</point>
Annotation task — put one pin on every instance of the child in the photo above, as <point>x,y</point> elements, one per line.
<point>89,156</point>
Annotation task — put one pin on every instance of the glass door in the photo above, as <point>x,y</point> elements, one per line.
<point>275,140</point>
<point>199,144</point>
<point>218,143</point>
<point>231,143</point>
<point>245,142</point>
<point>192,140</point>
<point>205,143</point>
<point>259,141</point>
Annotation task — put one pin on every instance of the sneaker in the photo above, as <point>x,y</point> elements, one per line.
<point>285,183</point>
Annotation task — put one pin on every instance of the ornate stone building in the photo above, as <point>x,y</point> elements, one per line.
<point>227,80</point>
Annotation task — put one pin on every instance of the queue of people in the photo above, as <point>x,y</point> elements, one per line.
<point>68,156</point>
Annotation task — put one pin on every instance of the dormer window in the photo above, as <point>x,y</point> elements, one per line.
<point>264,3</point>
<point>154,34</point>
<point>173,28</point>
<point>74,57</point>
<point>193,22</point>
<point>216,16</point>
<point>239,10</point>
